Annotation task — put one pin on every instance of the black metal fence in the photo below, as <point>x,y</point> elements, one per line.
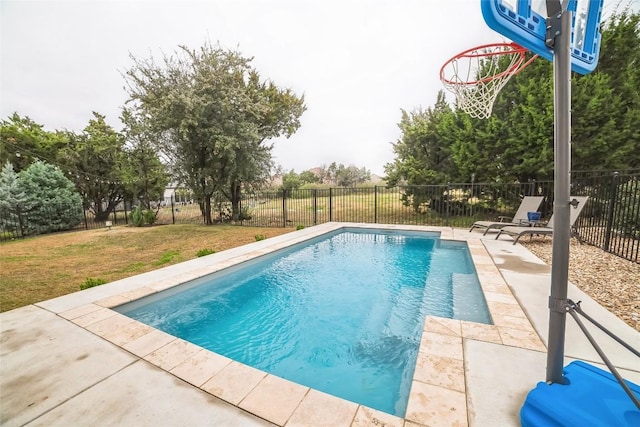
<point>610,220</point>
<point>19,221</point>
<point>455,205</point>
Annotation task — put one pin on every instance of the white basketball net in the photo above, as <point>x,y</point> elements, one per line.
<point>476,76</point>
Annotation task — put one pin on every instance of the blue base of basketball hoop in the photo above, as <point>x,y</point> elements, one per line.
<point>593,397</point>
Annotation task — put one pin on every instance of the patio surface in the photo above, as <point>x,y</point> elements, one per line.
<point>74,361</point>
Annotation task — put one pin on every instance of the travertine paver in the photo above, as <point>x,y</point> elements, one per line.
<point>93,317</point>
<point>110,324</point>
<point>441,345</point>
<point>366,417</point>
<point>112,301</point>
<point>523,339</point>
<point>138,293</point>
<point>148,343</point>
<point>321,409</point>
<point>443,326</point>
<point>200,367</point>
<point>480,332</point>
<point>513,322</point>
<point>503,297</point>
<point>441,371</point>
<point>501,308</point>
<point>79,311</point>
<point>480,257</point>
<point>439,326</point>
<point>439,375</point>
<point>490,283</point>
<point>128,333</point>
<point>172,354</point>
<point>234,382</point>
<point>274,399</point>
<point>487,269</point>
<point>436,406</point>
<point>162,285</point>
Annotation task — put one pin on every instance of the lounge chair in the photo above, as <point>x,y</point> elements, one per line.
<point>518,232</point>
<point>528,204</point>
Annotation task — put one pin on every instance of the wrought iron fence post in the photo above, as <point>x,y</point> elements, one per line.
<point>471,199</point>
<point>448,204</point>
<point>20,220</point>
<point>531,185</point>
<point>330,204</point>
<point>284,208</point>
<point>315,206</point>
<point>375,204</point>
<point>610,211</point>
<point>173,211</point>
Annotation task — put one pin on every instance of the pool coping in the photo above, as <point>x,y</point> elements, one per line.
<point>439,386</point>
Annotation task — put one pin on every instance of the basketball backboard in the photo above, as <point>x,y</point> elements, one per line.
<point>524,22</point>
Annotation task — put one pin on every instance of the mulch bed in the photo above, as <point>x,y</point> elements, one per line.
<point>612,281</point>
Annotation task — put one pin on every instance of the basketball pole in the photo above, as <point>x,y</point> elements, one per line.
<point>561,187</point>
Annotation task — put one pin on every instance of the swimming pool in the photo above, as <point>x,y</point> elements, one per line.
<point>341,313</point>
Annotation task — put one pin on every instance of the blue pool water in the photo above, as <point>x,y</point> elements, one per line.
<point>342,314</point>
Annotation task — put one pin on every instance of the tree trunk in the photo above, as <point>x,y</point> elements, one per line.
<point>101,214</point>
<point>146,201</point>
<point>236,194</point>
<point>207,209</point>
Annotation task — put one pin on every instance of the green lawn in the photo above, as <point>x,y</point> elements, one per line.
<point>48,266</point>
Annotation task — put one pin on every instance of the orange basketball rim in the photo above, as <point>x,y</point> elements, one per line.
<point>477,75</point>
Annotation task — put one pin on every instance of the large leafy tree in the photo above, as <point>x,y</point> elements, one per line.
<point>291,181</point>
<point>95,160</point>
<point>24,141</point>
<point>516,142</point>
<point>308,177</point>
<point>213,117</point>
<point>522,140</point>
<point>605,111</point>
<point>606,103</point>
<point>348,176</point>
<point>423,153</point>
<point>145,176</point>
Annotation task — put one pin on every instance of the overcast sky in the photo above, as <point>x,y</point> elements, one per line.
<point>358,62</point>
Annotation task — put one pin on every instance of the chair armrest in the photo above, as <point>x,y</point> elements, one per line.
<point>540,223</point>
<point>503,218</point>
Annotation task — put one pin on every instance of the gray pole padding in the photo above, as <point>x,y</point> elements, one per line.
<point>561,207</point>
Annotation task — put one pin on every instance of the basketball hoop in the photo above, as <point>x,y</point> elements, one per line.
<point>476,75</point>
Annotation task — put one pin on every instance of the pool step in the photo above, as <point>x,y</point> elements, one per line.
<point>467,295</point>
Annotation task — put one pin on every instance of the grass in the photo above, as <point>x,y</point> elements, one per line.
<point>357,207</point>
<point>49,266</point>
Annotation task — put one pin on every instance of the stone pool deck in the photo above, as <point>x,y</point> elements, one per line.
<point>74,361</point>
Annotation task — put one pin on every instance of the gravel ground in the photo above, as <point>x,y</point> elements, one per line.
<point>612,281</point>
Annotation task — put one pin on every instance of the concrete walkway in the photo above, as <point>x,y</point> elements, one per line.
<point>499,377</point>
<point>55,372</point>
